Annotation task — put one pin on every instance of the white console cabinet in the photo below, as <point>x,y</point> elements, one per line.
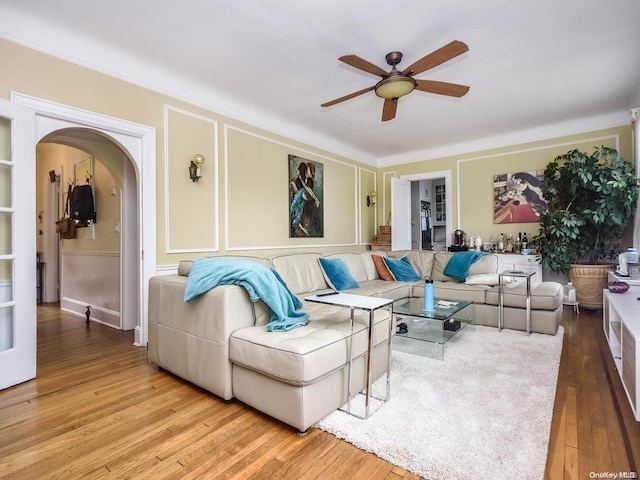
<point>516,261</point>
<point>621,324</point>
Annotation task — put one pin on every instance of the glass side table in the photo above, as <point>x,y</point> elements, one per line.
<point>527,274</point>
<point>368,304</point>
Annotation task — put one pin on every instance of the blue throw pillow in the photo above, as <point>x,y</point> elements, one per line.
<point>336,274</point>
<point>401,269</point>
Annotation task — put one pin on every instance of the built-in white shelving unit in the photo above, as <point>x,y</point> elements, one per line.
<point>621,324</point>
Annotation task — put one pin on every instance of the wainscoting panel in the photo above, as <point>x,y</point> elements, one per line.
<point>92,279</point>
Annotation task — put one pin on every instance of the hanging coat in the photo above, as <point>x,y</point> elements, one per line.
<point>82,207</point>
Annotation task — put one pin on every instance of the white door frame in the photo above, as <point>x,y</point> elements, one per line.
<point>18,289</point>
<point>446,174</point>
<point>139,143</point>
<point>400,214</point>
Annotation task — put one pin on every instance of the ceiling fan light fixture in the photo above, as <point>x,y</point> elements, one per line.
<point>395,87</point>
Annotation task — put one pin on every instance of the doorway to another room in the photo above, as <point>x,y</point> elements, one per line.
<point>107,137</point>
<point>429,214</point>
<point>84,270</point>
<point>422,211</point>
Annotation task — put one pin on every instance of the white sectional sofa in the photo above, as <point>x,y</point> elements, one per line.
<point>220,341</point>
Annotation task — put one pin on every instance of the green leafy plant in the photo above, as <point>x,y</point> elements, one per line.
<point>591,199</point>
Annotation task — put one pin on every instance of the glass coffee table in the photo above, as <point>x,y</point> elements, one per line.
<point>427,331</point>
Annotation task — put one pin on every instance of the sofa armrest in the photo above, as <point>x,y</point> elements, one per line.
<point>214,315</point>
<point>191,339</point>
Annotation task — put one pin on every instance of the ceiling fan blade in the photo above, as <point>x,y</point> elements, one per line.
<point>361,64</point>
<point>347,97</point>
<point>437,57</point>
<point>442,88</point>
<point>389,109</point>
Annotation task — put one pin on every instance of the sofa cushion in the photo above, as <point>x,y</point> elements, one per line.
<point>421,260</point>
<point>460,262</point>
<point>356,264</point>
<point>491,279</point>
<point>384,289</point>
<point>455,291</point>
<point>367,260</point>
<point>382,269</point>
<point>401,269</point>
<point>184,267</point>
<point>300,271</point>
<point>303,355</point>
<point>336,274</point>
<point>487,264</point>
<point>440,261</point>
<point>544,296</point>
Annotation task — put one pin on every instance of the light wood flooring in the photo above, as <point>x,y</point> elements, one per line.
<point>98,409</point>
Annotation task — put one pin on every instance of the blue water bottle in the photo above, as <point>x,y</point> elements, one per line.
<point>428,294</point>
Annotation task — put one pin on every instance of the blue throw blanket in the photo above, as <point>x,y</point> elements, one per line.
<point>260,283</point>
<point>459,263</point>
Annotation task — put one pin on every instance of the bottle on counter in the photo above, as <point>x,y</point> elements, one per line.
<point>472,241</point>
<point>518,243</point>
<point>501,243</point>
<point>525,242</point>
<point>479,243</point>
<point>509,246</point>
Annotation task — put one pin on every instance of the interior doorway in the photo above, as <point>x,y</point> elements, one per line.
<point>408,196</point>
<point>84,273</point>
<point>137,143</point>
<point>428,214</point>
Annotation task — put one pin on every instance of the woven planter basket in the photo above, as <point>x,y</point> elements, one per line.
<point>590,281</point>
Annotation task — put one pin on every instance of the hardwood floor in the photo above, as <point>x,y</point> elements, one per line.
<point>98,409</point>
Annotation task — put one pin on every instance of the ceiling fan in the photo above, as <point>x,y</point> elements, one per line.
<point>396,83</point>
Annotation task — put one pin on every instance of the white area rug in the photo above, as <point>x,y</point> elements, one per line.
<point>483,412</point>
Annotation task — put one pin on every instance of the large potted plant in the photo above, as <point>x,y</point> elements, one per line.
<point>591,199</point>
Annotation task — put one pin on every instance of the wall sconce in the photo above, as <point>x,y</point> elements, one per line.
<point>194,167</point>
<point>371,199</point>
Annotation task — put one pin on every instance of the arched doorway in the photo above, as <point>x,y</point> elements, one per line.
<point>137,142</point>
<point>88,269</point>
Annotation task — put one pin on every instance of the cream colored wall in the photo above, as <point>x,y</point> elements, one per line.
<point>257,194</point>
<point>62,158</point>
<point>472,175</point>
<point>240,204</point>
<point>368,215</point>
<point>191,204</point>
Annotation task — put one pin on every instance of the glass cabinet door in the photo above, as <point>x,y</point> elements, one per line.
<point>17,245</point>
<point>440,204</point>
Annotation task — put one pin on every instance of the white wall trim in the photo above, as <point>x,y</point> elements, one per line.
<point>538,134</point>
<point>216,216</point>
<point>616,137</point>
<point>361,196</point>
<point>167,270</point>
<point>78,309</point>
<point>294,148</point>
<point>19,28</point>
<point>139,141</point>
<point>52,40</point>
<point>385,180</point>
<point>446,174</point>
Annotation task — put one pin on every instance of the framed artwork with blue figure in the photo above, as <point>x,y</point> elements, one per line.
<point>517,197</point>
<point>306,181</point>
